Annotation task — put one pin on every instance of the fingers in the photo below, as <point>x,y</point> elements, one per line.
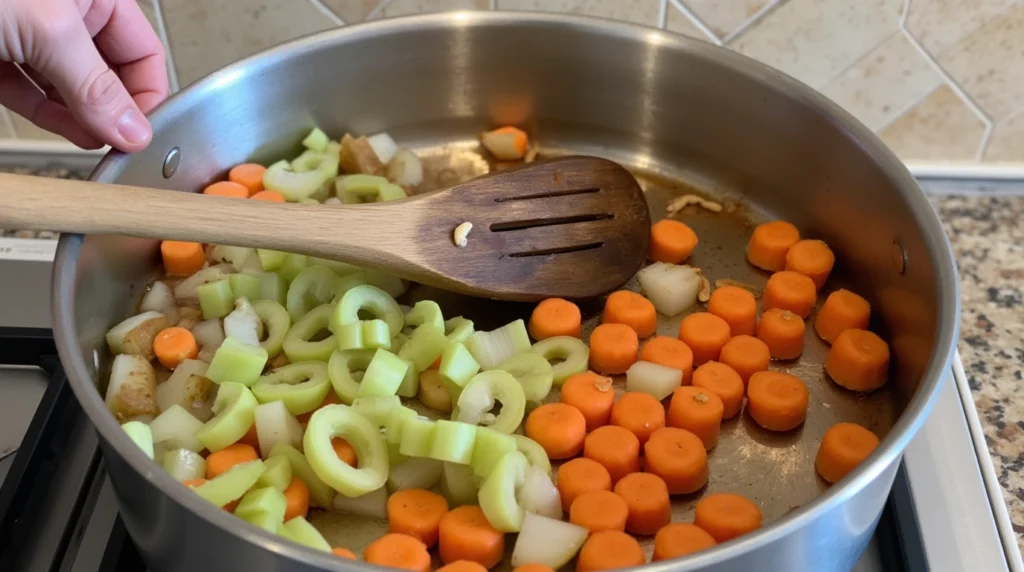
<point>129,42</point>
<point>19,95</point>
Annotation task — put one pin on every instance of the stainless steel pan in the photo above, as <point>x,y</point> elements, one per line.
<point>683,114</point>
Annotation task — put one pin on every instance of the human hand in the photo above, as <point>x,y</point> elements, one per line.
<point>98,65</point>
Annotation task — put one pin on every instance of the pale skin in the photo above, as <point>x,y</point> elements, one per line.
<point>88,70</point>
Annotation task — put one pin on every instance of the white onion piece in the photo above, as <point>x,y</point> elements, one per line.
<point>184,465</point>
<point>209,334</point>
<point>547,541</point>
<point>489,349</point>
<point>135,335</point>
<point>160,299</point>
<point>177,429</point>
<point>206,354</point>
<point>669,287</point>
<point>656,380</point>
<point>415,473</point>
<point>502,145</point>
<point>189,388</point>
<point>274,424</point>
<point>405,169</point>
<point>188,289</point>
<point>384,147</point>
<point>373,504</point>
<point>236,256</point>
<point>243,323</point>
<point>539,495</point>
<point>131,389</point>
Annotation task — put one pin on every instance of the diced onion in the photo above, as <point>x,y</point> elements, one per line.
<point>547,541</point>
<point>416,473</point>
<point>539,495</point>
<point>184,465</point>
<point>160,298</point>
<point>491,348</point>
<point>274,424</point>
<point>653,379</point>
<point>383,146</point>
<point>176,428</point>
<point>188,289</point>
<point>669,287</point>
<point>237,256</point>
<point>209,334</point>
<point>243,323</point>
<point>373,504</point>
<point>405,169</point>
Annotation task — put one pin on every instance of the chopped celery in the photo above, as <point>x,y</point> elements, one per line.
<point>458,329</point>
<point>535,454</point>
<point>273,287</point>
<point>263,520</point>
<point>317,140</point>
<point>245,286</point>
<point>417,437</point>
<point>457,368</point>
<point>292,265</point>
<point>270,260</point>
<point>478,397</point>
<point>383,375</point>
<point>489,448</point>
<point>359,188</point>
<point>369,299</point>
<point>266,499</point>
<point>491,348</point>
<point>341,421</point>
<point>390,192</point>
<point>278,473</point>
<point>139,433</point>
<point>281,177</point>
<point>376,334</point>
<point>230,485</point>
<point>277,322</point>
<point>572,351</point>
<point>301,386</point>
<point>186,289</point>
<point>216,299</point>
<point>237,256</point>
<point>458,485</point>
<point>234,412</point>
<point>320,494</point>
<point>453,442</point>
<point>314,286</point>
<point>498,493</point>
<point>237,361</point>
<point>426,312</point>
<point>342,269</point>
<point>333,147</point>
<point>342,369</point>
<point>395,424</point>
<point>176,428</point>
<point>184,465</point>
<point>395,457</point>
<point>533,372</point>
<point>389,283</point>
<point>419,473</point>
<point>397,341</point>
<point>410,385</point>
<point>297,345</point>
<point>299,530</point>
<point>425,345</point>
<point>275,424</point>
<point>346,283</point>
<point>377,408</point>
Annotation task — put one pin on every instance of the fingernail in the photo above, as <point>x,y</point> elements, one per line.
<point>133,127</point>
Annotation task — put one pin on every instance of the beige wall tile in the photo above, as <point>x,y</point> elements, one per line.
<point>408,7</point>
<point>206,36</point>
<point>1007,143</point>
<point>676,21</point>
<point>989,63</point>
<point>725,16</point>
<point>884,82</point>
<point>941,127</point>
<point>5,128</point>
<point>352,11</point>
<point>814,40</point>
<point>637,11</point>
<point>937,24</point>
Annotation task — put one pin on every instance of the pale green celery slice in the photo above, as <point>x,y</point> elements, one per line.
<point>349,337</point>
<point>300,386</point>
<point>263,520</point>
<point>317,140</point>
<point>498,493</point>
<point>139,433</point>
<point>216,299</point>
<point>320,494</point>
<point>378,408</point>
<point>342,269</point>
<point>347,283</point>
<point>478,397</point>
<point>278,473</point>
<point>273,287</point>
<point>296,344</point>
<point>426,312</point>
<point>292,265</point>
<point>371,299</point>
<point>395,424</point>
<point>365,438</point>
<point>417,437</point>
<point>245,286</point>
<point>458,485</point>
<point>457,368</point>
<point>458,329</point>
<point>312,287</point>
<point>533,372</point>
<point>266,499</point>
<point>390,192</point>
<point>230,485</point>
<point>395,456</point>
<point>410,385</point>
<point>389,283</point>
<point>375,334</point>
<point>277,322</point>
<point>489,448</point>
<point>359,188</point>
<point>425,345</point>
<point>282,178</point>
<point>453,442</point>
<point>299,530</point>
<point>333,147</point>
<point>340,368</point>
<point>238,362</point>
<point>535,454</point>
<point>491,348</point>
<point>184,465</point>
<point>270,260</point>
<point>572,351</point>
<point>307,161</point>
<point>234,411</point>
<point>383,376</point>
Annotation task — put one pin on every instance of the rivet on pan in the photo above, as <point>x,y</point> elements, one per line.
<point>899,257</point>
<point>171,162</point>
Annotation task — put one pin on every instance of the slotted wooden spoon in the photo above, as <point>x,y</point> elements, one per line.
<point>572,227</point>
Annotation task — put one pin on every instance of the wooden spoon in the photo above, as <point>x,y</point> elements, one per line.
<point>572,227</point>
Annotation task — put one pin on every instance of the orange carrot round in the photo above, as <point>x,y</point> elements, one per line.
<point>631,309</point>
<point>609,550</point>
<point>173,346</point>
<point>398,551</point>
<point>646,497</point>
<point>842,310</point>
<point>858,360</point>
<point>557,427</point>
<point>344,451</point>
<point>705,334</point>
<point>344,553</point>
<point>769,244</point>
<point>182,258</point>
<point>599,510</point>
<point>746,355</point>
<point>613,348</point>
<point>777,401</point>
<point>640,413</point>
<point>269,196</point>
<point>592,394</point>
<point>679,458</point>
<point>533,568</point>
<point>697,410</point>
<point>219,462</point>
<point>251,437</point>
<point>790,291</point>
<point>725,516</point>
<point>723,381</point>
<point>462,566</point>
<point>249,175</point>
<point>813,259</point>
<point>465,534</point>
<point>418,513</point>
<point>579,476</point>
<point>296,497</point>
<point>227,189</point>
<point>555,317</point>
<point>842,448</point>
<point>669,352</point>
<point>783,332</point>
<point>616,448</point>
<point>737,307</point>
<point>679,539</point>
<point>671,241</point>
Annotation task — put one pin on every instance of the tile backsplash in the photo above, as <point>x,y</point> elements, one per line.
<point>938,80</point>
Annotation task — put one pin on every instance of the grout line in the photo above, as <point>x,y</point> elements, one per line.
<point>757,17</point>
<point>172,70</point>
<point>328,12</point>
<point>905,109</point>
<point>983,144</point>
<point>903,16</point>
<point>373,13</point>
<point>696,21</point>
<point>854,63</point>
<point>9,123</point>
<point>662,14</point>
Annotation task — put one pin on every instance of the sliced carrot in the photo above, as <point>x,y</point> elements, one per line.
<point>533,568</point>
<point>579,476</point>
<point>640,413</point>
<point>555,317</point>
<point>344,553</point>
<point>842,448</point>
<point>783,332</point>
<point>329,399</point>
<point>182,258</point>
<point>777,401</point>
<point>219,462</point>
<point>231,506</point>
<point>344,451</point>
<point>173,346</point>
<point>465,534</point>
<point>297,499</point>
<point>725,516</point>
<point>249,175</point>
<point>251,437</point>
<point>769,244</point>
<point>790,291</point>
<point>842,310</point>
<point>269,196</point>
<point>679,458</point>
<point>462,566</point>
<point>616,448</point>
<point>746,355</point>
<point>646,497</point>
<point>669,352</point>
<point>506,143</point>
<point>671,241</point>
<point>592,394</point>
<point>813,259</point>
<point>398,551</point>
<point>613,348</point>
<point>599,510</point>
<point>705,334</point>
<point>679,539</point>
<point>697,410</point>
<point>227,189</point>
<point>723,381</point>
<point>858,360</point>
<point>609,550</point>
<point>193,483</point>
<point>418,513</point>
<point>631,309</point>
<point>737,307</point>
<point>557,427</point>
